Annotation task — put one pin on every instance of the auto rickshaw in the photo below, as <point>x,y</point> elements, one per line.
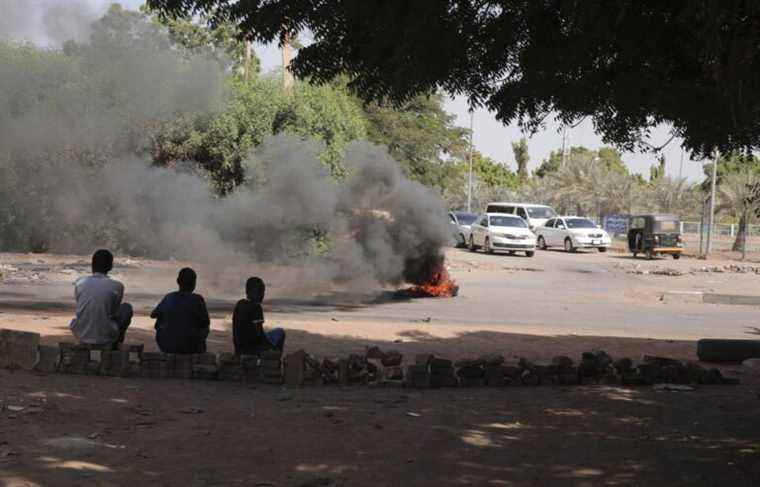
<point>653,235</point>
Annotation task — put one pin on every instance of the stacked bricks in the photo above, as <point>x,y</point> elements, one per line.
<point>565,370</point>
<point>204,366</point>
<point>271,367</point>
<point>418,375</point>
<point>442,372</point>
<point>21,350</point>
<point>329,371</point>
<point>250,369</point>
<point>471,373</point>
<point>48,359</point>
<point>230,368</point>
<point>81,359</point>
<point>494,370</point>
<point>18,349</point>
<point>301,369</point>
<point>353,370</point>
<point>180,365</point>
<point>384,368</point>
<point>153,365</point>
<point>124,362</point>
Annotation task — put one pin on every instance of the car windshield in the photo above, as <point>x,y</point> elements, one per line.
<point>579,223</point>
<point>666,226</point>
<point>540,212</point>
<point>507,221</point>
<point>466,218</point>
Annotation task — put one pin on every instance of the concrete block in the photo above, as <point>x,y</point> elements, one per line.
<point>18,349</point>
<point>48,358</point>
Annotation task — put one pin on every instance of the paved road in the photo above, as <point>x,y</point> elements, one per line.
<point>553,293</point>
<point>584,293</point>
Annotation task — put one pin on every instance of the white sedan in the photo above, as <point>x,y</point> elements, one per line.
<point>494,231</point>
<point>572,232</point>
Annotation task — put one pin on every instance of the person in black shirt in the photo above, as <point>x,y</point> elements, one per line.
<point>182,322</point>
<point>248,333</point>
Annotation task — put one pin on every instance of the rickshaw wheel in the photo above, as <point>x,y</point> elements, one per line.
<point>676,256</point>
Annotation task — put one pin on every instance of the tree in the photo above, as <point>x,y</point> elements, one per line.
<point>736,195</point>
<point>520,150</point>
<point>629,65</point>
<point>669,195</point>
<point>550,165</point>
<point>657,172</point>
<point>325,113</point>
<point>419,134</point>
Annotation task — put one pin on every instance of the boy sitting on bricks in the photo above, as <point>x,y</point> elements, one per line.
<point>182,321</point>
<point>248,333</point>
<point>101,318</point>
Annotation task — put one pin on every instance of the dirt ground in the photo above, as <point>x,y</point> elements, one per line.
<point>74,430</point>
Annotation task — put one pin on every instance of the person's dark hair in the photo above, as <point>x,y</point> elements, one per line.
<point>187,279</point>
<point>102,261</point>
<point>255,289</point>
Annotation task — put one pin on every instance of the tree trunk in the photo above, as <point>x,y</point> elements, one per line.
<point>741,232</point>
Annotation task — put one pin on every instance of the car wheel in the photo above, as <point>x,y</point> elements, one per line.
<point>529,253</point>
<point>541,243</point>
<point>676,256</point>
<point>487,245</point>
<point>569,245</point>
<point>464,241</point>
<point>511,252</point>
<point>473,248</point>
<point>602,249</point>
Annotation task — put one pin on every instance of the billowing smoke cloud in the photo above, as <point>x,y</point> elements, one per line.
<point>70,178</point>
<point>46,22</point>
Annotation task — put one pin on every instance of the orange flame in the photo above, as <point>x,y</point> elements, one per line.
<point>440,285</point>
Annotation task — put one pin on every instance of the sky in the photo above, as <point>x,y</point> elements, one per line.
<point>491,137</point>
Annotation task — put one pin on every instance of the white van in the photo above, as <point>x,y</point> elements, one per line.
<point>535,215</point>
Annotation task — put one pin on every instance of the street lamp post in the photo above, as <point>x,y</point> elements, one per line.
<point>469,179</point>
<point>711,221</point>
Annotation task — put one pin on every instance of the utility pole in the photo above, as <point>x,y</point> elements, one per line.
<point>247,66</point>
<point>712,203</point>
<point>564,143</point>
<point>287,56</point>
<point>469,178</point>
<point>680,167</point>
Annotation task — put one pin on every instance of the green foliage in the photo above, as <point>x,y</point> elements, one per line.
<point>520,150</point>
<point>630,65</point>
<point>657,172</point>
<point>418,134</point>
<point>550,165</point>
<point>325,113</point>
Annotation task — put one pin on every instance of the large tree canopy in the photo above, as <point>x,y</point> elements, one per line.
<point>629,65</point>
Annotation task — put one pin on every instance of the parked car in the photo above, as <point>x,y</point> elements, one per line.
<point>534,215</point>
<point>510,233</point>
<point>655,235</point>
<point>572,232</point>
<point>460,222</point>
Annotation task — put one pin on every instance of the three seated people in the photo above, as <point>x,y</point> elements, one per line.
<point>182,320</point>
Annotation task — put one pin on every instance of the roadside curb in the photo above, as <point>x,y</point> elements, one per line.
<point>709,298</point>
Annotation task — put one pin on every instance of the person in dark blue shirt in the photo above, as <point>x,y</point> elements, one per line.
<point>182,322</point>
<point>248,335</point>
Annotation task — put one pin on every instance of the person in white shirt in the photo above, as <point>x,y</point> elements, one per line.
<point>101,317</point>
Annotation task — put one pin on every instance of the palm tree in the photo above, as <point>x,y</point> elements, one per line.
<point>673,195</point>
<point>737,194</point>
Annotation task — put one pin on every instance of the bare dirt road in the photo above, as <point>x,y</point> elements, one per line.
<point>75,430</point>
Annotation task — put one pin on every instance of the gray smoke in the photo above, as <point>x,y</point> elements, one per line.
<point>46,22</point>
<point>71,178</point>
